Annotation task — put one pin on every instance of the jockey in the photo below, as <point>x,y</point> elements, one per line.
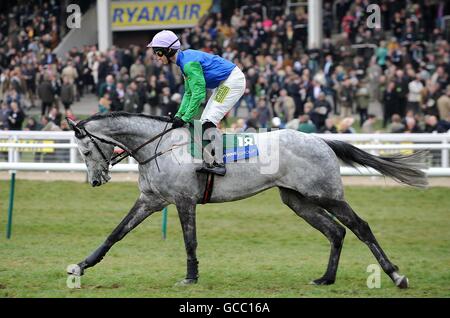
<point>202,71</point>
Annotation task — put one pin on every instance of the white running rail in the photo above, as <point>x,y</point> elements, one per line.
<point>14,143</point>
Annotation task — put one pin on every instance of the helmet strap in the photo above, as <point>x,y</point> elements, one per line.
<point>170,52</point>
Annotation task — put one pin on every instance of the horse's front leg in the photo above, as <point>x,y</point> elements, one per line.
<point>186,212</point>
<point>143,207</point>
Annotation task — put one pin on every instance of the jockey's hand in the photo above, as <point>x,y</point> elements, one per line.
<point>177,122</point>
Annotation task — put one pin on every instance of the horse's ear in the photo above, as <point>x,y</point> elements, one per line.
<point>73,125</point>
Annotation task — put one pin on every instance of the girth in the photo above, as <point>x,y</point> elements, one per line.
<point>208,188</point>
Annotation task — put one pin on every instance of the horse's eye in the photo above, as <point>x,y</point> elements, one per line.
<point>87,153</point>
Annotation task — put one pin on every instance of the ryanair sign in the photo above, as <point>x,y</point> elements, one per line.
<point>145,15</point>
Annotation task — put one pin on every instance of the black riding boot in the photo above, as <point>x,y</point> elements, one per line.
<point>213,161</point>
<point>216,168</point>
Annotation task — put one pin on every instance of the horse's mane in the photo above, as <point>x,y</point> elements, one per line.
<point>120,114</point>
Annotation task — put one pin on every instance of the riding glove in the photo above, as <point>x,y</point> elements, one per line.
<point>177,122</point>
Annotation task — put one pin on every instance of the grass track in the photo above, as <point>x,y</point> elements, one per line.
<point>251,248</point>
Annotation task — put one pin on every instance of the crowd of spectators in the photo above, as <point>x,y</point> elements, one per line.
<point>401,66</point>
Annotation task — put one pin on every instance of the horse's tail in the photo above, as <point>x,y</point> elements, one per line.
<point>404,169</point>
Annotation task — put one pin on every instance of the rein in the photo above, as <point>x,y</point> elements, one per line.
<point>119,157</point>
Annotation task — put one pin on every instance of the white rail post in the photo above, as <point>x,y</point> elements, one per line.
<point>11,151</point>
<point>375,153</point>
<point>73,151</point>
<point>444,151</point>
<point>15,153</point>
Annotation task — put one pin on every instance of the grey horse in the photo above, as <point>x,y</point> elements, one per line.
<point>308,178</point>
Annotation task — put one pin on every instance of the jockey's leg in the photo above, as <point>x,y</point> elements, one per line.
<point>222,100</point>
<point>213,153</point>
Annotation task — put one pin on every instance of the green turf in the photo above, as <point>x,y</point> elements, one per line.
<point>251,248</point>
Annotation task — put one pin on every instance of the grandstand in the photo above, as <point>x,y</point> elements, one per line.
<point>300,58</point>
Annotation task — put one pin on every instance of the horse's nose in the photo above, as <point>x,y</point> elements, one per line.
<point>95,183</point>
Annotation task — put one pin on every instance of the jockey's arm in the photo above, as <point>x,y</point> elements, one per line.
<point>195,91</point>
<point>185,101</point>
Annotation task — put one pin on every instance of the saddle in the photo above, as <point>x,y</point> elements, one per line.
<point>236,146</point>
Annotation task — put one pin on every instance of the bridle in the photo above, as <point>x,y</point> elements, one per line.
<point>127,153</point>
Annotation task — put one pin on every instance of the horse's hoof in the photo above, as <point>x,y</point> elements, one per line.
<point>402,282</point>
<point>74,269</point>
<point>322,281</point>
<point>186,282</point>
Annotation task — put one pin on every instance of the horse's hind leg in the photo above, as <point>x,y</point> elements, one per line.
<point>350,219</point>
<point>318,218</point>
<point>143,207</point>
